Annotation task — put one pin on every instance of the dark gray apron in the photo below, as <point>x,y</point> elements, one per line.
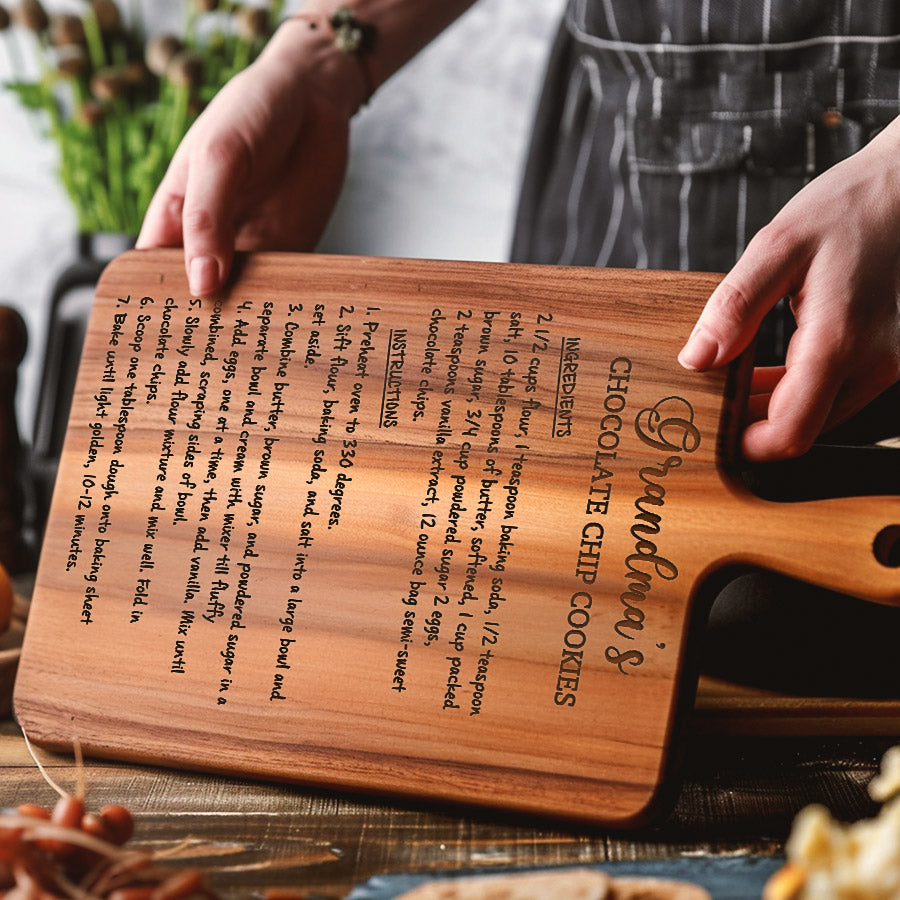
<point>668,133</point>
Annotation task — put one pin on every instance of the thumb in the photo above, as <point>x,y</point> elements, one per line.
<point>734,311</point>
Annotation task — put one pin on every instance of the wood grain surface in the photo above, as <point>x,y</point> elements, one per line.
<point>475,514</point>
<point>737,799</point>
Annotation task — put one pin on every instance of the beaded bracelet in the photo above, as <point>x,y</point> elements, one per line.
<point>351,35</point>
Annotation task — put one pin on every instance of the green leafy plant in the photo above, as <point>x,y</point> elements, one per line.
<point>117,103</point>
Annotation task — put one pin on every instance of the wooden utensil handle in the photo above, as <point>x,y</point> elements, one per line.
<point>846,544</point>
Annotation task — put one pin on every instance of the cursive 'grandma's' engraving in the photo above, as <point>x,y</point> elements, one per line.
<point>669,427</point>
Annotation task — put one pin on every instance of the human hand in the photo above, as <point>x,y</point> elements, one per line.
<point>262,166</point>
<point>834,249</point>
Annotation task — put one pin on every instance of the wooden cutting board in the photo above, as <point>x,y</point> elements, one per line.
<point>438,529</point>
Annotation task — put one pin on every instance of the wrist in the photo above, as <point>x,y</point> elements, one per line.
<point>307,45</point>
<point>403,28</point>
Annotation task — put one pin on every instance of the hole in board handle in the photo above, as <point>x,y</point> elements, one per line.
<point>887,546</point>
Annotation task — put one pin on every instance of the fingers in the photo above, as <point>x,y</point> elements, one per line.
<point>833,249</point>
<point>787,418</point>
<point>833,371</point>
<point>788,405</point>
<point>763,382</point>
<point>765,378</point>
<point>195,206</point>
<point>734,311</point>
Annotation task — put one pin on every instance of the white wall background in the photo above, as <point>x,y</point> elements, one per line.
<point>433,173</point>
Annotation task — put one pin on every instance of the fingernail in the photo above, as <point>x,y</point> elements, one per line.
<point>203,275</point>
<point>700,351</point>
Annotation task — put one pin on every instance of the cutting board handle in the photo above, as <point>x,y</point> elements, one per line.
<point>847,544</point>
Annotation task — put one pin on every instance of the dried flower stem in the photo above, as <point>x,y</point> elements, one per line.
<point>136,16</point>
<point>114,150</point>
<point>94,39</point>
<point>115,163</point>
<point>241,55</point>
<point>40,766</point>
<point>178,122</point>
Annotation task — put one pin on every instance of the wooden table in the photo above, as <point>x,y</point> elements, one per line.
<point>739,795</point>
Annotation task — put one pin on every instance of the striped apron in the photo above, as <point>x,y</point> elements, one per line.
<point>670,131</point>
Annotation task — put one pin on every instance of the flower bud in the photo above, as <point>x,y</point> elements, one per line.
<point>135,73</point>
<point>107,14</point>
<point>65,30</point>
<point>107,84</point>
<point>160,51</point>
<point>252,23</point>
<point>90,113</point>
<point>185,69</point>
<point>31,15</point>
<point>73,61</point>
